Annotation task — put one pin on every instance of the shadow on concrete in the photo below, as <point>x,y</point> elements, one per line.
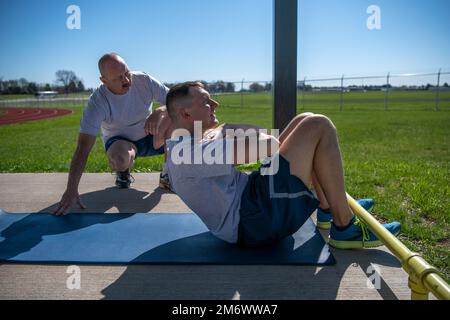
<point>125,200</point>
<point>363,259</point>
<point>205,248</point>
<point>247,281</point>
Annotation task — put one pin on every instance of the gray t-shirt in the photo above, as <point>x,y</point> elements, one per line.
<point>212,191</point>
<point>122,115</point>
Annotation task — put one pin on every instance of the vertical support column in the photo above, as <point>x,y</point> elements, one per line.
<point>437,90</point>
<point>418,292</point>
<point>284,63</point>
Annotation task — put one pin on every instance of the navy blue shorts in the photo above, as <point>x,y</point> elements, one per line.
<point>144,146</point>
<point>273,206</point>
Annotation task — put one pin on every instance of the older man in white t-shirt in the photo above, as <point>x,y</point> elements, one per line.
<point>122,109</point>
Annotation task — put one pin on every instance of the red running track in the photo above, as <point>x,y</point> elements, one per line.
<point>18,115</point>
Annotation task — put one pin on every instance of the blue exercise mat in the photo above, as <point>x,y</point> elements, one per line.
<point>143,238</point>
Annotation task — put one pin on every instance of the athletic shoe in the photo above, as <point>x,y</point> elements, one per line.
<point>357,235</point>
<point>124,179</point>
<point>324,217</point>
<point>164,182</point>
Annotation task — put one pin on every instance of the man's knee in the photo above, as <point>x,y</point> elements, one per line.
<point>119,162</point>
<point>320,122</point>
<point>304,115</point>
<point>326,122</point>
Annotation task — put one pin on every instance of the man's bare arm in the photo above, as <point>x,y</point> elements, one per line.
<point>235,126</point>
<point>247,139</point>
<point>79,159</point>
<point>153,120</point>
<point>221,130</point>
<point>251,148</point>
<point>163,133</point>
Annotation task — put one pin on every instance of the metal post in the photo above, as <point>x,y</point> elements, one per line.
<point>437,90</point>
<point>387,91</point>
<point>284,63</point>
<point>418,292</point>
<point>342,93</point>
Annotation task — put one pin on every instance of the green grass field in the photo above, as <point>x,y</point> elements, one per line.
<point>15,96</point>
<point>398,157</point>
<point>373,100</point>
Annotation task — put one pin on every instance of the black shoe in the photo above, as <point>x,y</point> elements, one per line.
<point>164,182</point>
<point>124,179</point>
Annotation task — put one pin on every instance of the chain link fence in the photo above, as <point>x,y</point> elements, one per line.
<point>61,101</point>
<point>429,91</point>
<point>426,91</point>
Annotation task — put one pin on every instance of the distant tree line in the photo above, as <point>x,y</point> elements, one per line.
<point>66,82</point>
<point>258,87</point>
<point>230,87</point>
<point>214,87</point>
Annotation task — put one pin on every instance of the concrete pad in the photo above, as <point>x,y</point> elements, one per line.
<point>33,192</point>
<point>41,192</point>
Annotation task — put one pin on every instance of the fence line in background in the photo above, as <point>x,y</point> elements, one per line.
<point>386,86</point>
<point>305,87</point>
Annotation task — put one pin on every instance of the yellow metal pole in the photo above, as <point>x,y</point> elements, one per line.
<point>423,277</point>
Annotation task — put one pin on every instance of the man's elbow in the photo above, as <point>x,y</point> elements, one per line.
<point>250,150</point>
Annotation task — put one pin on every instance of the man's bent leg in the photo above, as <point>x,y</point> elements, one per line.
<point>289,128</point>
<point>313,146</point>
<point>121,155</point>
<point>319,192</point>
<point>293,124</point>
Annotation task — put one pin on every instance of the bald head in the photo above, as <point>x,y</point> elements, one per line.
<point>109,60</point>
<point>114,73</point>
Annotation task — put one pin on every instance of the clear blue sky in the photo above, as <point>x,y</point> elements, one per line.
<point>177,40</point>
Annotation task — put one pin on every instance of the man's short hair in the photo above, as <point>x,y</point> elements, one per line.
<point>177,92</point>
<point>105,58</point>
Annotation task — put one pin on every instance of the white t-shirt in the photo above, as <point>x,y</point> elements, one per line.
<point>123,115</point>
<point>212,191</point>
